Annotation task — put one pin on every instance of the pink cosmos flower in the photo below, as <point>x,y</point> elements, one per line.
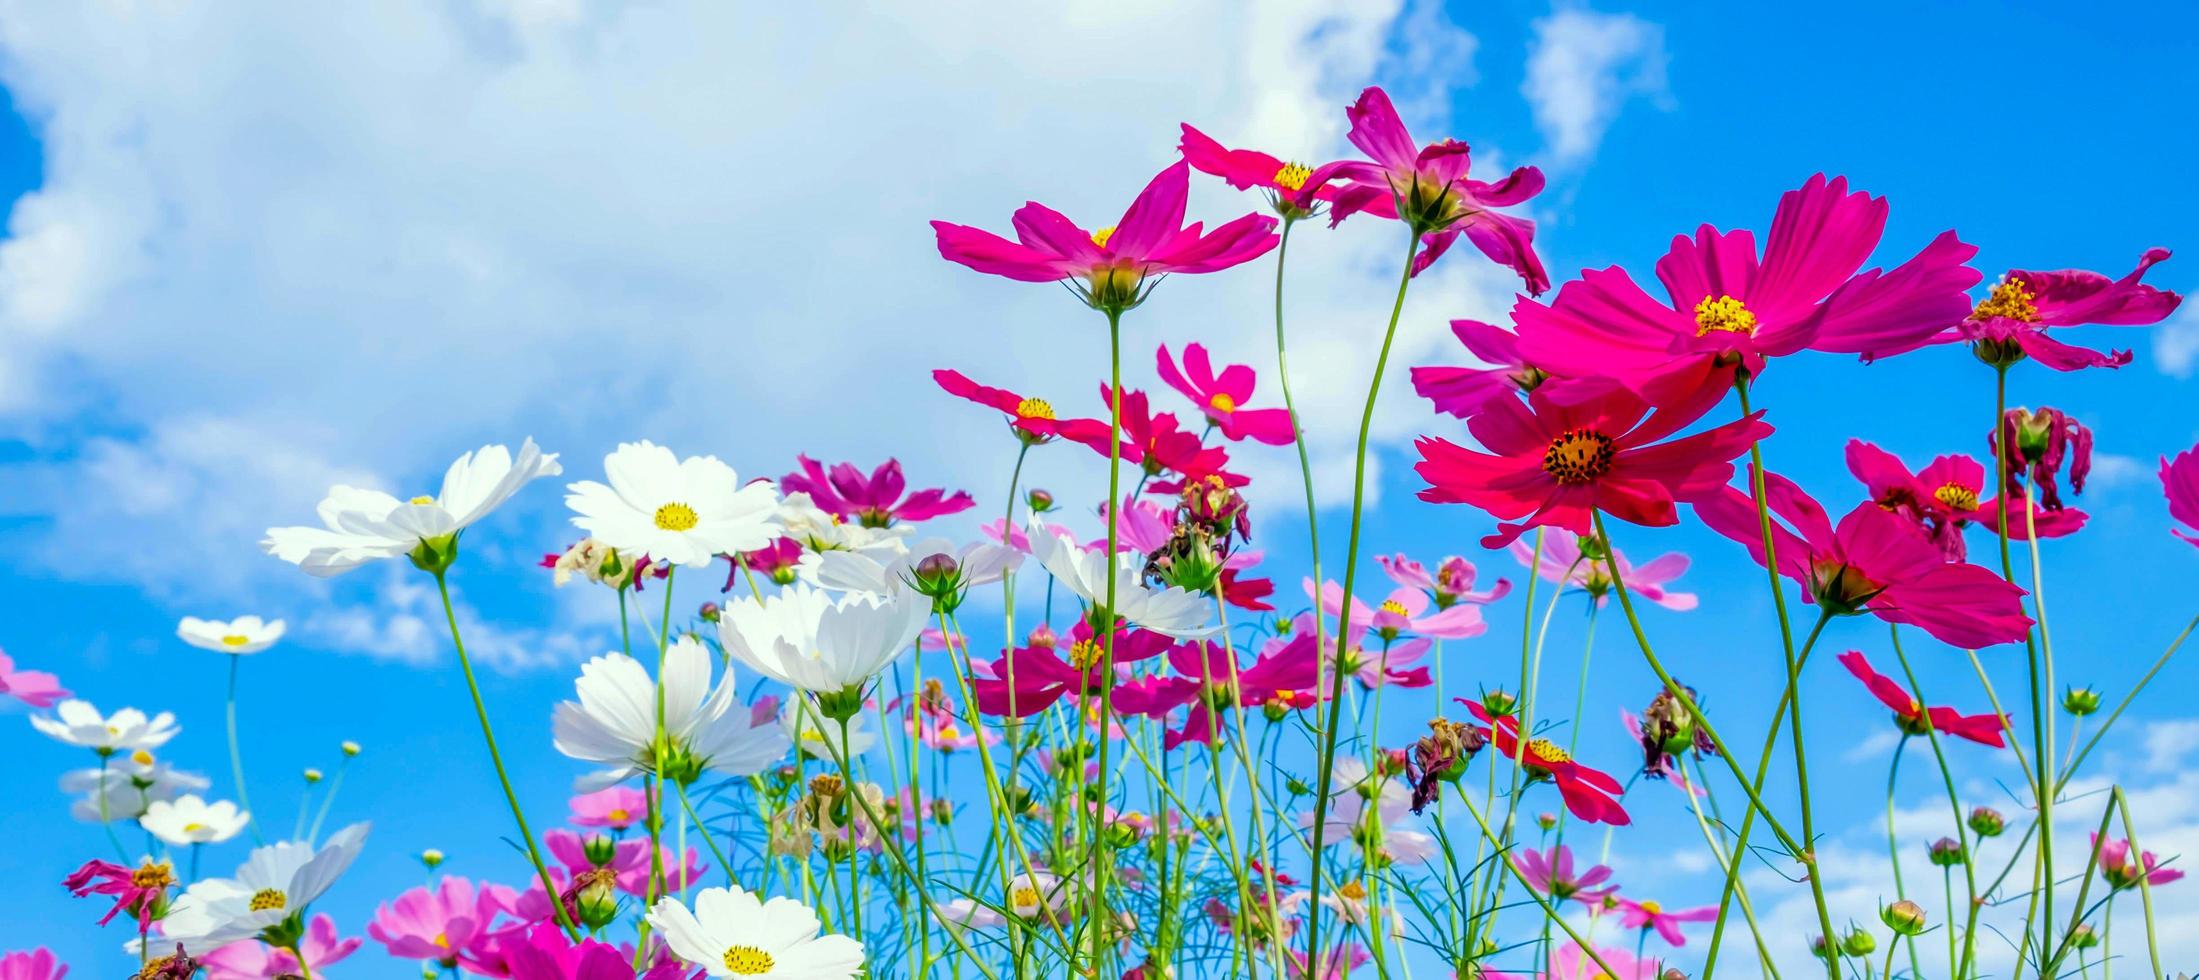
<point>1875,562</point>
<point>1223,397</point>
<point>1551,873</point>
<point>2011,323</point>
<point>630,860</point>
<point>1590,794</point>
<point>2123,871</point>
<point>2179,482</point>
<point>617,807</point>
<point>1428,188</point>
<point>1571,961</point>
<point>1032,418</point>
<point>543,952</point>
<point>1043,677</point>
<point>1464,392</point>
<point>1557,464</point>
<point>1144,527</point>
<point>1910,716</point>
<point>32,687</point>
<point>875,500</point>
<point>1726,310</point>
<point>251,959</point>
<point>37,964</point>
<point>941,731</point>
<point>1284,669</point>
<point>1942,498</point>
<point>1340,960</point>
<point>136,890</point>
<point>1405,610</point>
<point>1113,264</point>
<point>1452,583</point>
<point>442,923</point>
<point>1651,915</point>
<point>1562,562</point>
<point>1245,169</point>
<point>780,561</point>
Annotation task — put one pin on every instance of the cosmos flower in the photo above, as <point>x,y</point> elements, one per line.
<point>276,882</point>
<point>190,819</point>
<point>242,635</point>
<point>1110,268</point>
<point>544,952</point>
<point>820,530</point>
<point>1726,311</point>
<point>1589,794</point>
<point>1651,915</point>
<point>819,738</point>
<point>440,924</point>
<point>36,964</point>
<point>1045,673</point>
<point>1367,809</point>
<point>1557,464</point>
<point>2124,870</point>
<point>1943,498</point>
<point>803,638</point>
<point>1032,419</point>
<point>1570,960</point>
<point>886,575</point>
<point>1338,961</point>
<point>137,890</point>
<point>1464,392</point>
<point>1404,611</point>
<point>130,783</point>
<point>1428,188</point>
<point>362,526</point>
<point>629,864</point>
<point>875,500</point>
<point>616,807</point>
<point>1030,896</point>
<point>614,722</point>
<point>1562,562</point>
<point>1172,611</point>
<point>1222,397</point>
<point>251,959</point>
<point>1155,441</point>
<point>1285,668</point>
<point>1910,716</point>
<point>2014,319</point>
<point>1285,183</point>
<point>2179,483</point>
<point>1551,873</point>
<point>76,722</point>
<point>2038,443</point>
<point>730,932</point>
<point>1873,562</point>
<point>32,687</point>
<point>683,511</point>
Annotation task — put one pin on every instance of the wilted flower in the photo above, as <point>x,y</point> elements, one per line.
<point>142,891</point>
<point>2038,442</point>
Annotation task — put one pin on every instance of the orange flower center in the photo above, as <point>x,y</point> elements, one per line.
<point>1577,456</point>
<point>2010,299</point>
<point>1083,654</point>
<point>1724,314</point>
<point>1956,496</point>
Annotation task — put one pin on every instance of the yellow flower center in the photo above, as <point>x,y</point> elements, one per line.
<point>142,757</point>
<point>1652,908</point>
<point>192,828</point>
<point>1543,751</point>
<point>1285,694</point>
<point>268,898</point>
<point>1353,891</point>
<point>442,939</point>
<point>1222,402</point>
<point>948,732</point>
<point>152,874</point>
<point>619,815</point>
<point>1101,236</point>
<point>747,961</point>
<point>1392,606</point>
<point>1957,496</point>
<point>1577,456</point>
<point>1724,314</point>
<point>2010,299</point>
<point>1293,176</point>
<point>235,640</point>
<point>1024,899</point>
<point>1083,654</point>
<point>676,517</point>
<point>421,501</point>
<point>1035,408</point>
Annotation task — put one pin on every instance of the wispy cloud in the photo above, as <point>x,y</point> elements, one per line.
<point>1583,67</point>
<point>2176,343</point>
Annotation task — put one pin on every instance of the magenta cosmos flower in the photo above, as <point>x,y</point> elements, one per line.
<point>440,924</point>
<point>1562,562</point>
<point>136,890</point>
<point>37,964</point>
<point>1405,610</point>
<point>1942,498</point>
<point>1873,562</point>
<point>2011,323</point>
<point>1284,181</point>
<point>32,687</point>
<point>251,959</point>
<point>1652,915</point>
<point>1043,675</point>
<point>1910,716</point>
<point>1726,310</point>
<point>1282,672</point>
<point>1557,464</point>
<point>1464,392</point>
<point>545,953</point>
<point>1452,583</point>
<point>1428,188</point>
<point>1110,267</point>
<point>1032,419</point>
<point>1223,397</point>
<point>2180,483</point>
<point>875,500</point>
<point>617,807</point>
<point>2124,870</point>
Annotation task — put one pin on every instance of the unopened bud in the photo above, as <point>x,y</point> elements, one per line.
<point>600,850</point>
<point>709,612</point>
<point>1947,852</point>
<point>1672,973</point>
<point>312,776</point>
<point>350,749</point>
<point>1904,918</point>
<point>1040,500</point>
<point>1547,821</point>
<point>1498,703</point>
<point>431,857</point>
<point>595,897</point>
<point>1859,942</point>
<point>2083,937</point>
<point>2080,701</point>
<point>1987,822</point>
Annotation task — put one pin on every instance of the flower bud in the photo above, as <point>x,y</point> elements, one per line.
<point>1947,852</point>
<point>709,612</point>
<point>2080,701</point>
<point>1040,500</point>
<point>2083,937</point>
<point>595,897</point>
<point>1859,942</point>
<point>1987,822</point>
<point>1547,821</point>
<point>1905,918</point>
<point>350,749</point>
<point>1672,973</point>
<point>1498,703</point>
<point>1391,762</point>
<point>312,776</point>
<point>1275,710</point>
<point>431,857</point>
<point>1817,946</point>
<point>1297,787</point>
<point>600,849</point>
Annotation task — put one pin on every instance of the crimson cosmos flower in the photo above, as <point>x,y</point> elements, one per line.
<point>1283,671</point>
<point>1589,793</point>
<point>1114,262</point>
<point>1942,498</point>
<point>138,890</point>
<point>1873,562</point>
<point>1465,392</point>
<point>2011,323</point>
<point>1557,464</point>
<point>1153,440</point>
<point>1223,396</point>
<point>2179,482</point>
<point>780,561</point>
<point>1427,188</point>
<point>1042,677</point>
<point>875,500</point>
<point>1031,418</point>
<point>1245,169</point>
<point>1982,729</point>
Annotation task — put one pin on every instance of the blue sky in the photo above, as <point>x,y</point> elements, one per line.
<point>248,256</point>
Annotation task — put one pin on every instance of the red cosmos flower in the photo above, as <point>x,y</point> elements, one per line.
<point>1982,729</point>
<point>1153,440</point>
<point>1557,464</point>
<point>875,500</point>
<point>140,890</point>
<point>1245,593</point>
<point>1464,392</point>
<point>1283,672</point>
<point>1031,418</point>
<point>1042,677</point>
<point>1115,261</point>
<point>2179,482</point>
<point>1942,498</point>
<point>1874,562</point>
<point>1589,794</point>
<point>1223,396</point>
<point>1428,189</point>
<point>2011,323</point>
<point>1728,311</point>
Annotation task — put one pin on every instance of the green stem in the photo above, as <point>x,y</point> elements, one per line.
<point>2041,774</point>
<point>1954,806</point>
<point>2145,880</point>
<point>236,757</point>
<point>1893,851</point>
<point>1106,623</point>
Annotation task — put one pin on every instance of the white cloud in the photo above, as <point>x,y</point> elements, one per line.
<point>1582,67</point>
<point>404,623</point>
<point>2176,343</point>
<point>269,252</point>
<point>2168,742</point>
<point>2112,470</point>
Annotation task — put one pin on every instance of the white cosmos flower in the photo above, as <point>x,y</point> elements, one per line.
<point>804,639</point>
<point>1171,611</point>
<point>890,574</point>
<point>244,634</point>
<point>684,511</point>
<point>192,820</point>
<point>76,722</point>
<point>820,530</point>
<point>818,736</point>
<point>1028,898</point>
<point>362,526</point>
<point>615,720</point>
<point>274,883</point>
<point>732,933</point>
<point>131,783</point>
